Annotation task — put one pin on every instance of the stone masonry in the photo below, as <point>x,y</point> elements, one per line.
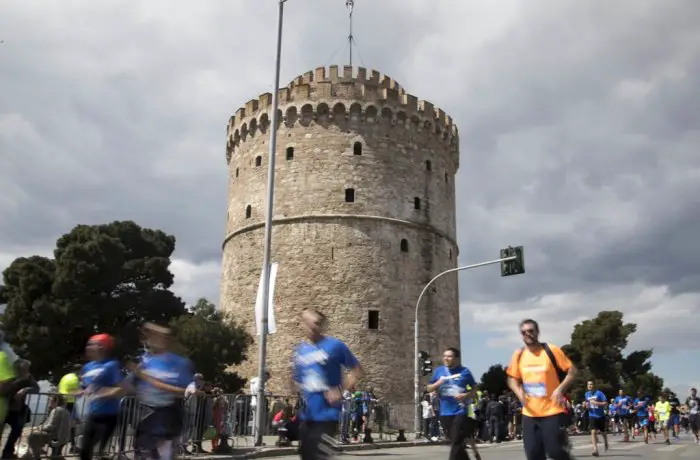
<point>355,261</point>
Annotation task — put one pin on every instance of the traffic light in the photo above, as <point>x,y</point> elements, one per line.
<point>513,267</point>
<point>425,364</point>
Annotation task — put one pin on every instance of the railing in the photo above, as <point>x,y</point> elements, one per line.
<point>210,424</point>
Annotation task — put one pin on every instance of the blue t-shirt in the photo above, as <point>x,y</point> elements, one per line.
<point>640,405</point>
<point>623,404</point>
<point>612,409</point>
<point>317,369</point>
<point>461,377</point>
<point>101,374</point>
<point>169,368</point>
<point>595,396</point>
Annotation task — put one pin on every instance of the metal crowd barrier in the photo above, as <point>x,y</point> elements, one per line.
<point>215,424</point>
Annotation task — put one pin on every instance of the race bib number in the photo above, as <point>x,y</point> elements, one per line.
<point>535,390</point>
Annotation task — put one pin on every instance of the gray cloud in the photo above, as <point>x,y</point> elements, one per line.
<point>578,125</point>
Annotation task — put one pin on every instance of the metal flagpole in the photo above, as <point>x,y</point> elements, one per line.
<point>260,413</point>
<point>417,365</point>
<point>350,4</point>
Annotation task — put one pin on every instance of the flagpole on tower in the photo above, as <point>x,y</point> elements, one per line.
<point>351,5</point>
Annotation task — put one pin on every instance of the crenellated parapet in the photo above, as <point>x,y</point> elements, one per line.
<point>342,95</point>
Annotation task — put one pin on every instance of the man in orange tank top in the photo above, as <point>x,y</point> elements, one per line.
<point>539,374</point>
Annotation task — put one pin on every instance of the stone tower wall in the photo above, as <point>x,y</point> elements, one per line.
<point>346,258</point>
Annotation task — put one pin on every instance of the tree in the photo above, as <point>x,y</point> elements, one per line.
<point>597,347</point>
<point>495,380</point>
<point>212,344</point>
<point>670,394</point>
<point>103,278</point>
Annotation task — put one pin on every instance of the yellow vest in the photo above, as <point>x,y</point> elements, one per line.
<point>7,372</point>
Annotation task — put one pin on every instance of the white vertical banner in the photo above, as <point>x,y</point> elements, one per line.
<point>271,327</point>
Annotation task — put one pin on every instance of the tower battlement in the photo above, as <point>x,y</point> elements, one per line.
<point>331,96</point>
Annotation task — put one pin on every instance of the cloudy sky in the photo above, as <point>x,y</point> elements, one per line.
<point>579,123</point>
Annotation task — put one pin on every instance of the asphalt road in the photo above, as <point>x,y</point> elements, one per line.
<point>581,448</point>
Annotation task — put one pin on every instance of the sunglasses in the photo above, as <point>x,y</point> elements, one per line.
<point>528,331</point>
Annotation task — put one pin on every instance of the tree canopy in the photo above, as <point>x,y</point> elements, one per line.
<point>495,380</point>
<point>597,348</point>
<point>212,343</point>
<point>103,278</point>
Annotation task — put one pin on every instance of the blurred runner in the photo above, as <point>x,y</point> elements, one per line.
<point>100,378</point>
<point>317,367</point>
<point>160,382</point>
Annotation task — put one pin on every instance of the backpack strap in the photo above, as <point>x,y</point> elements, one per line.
<point>561,375</point>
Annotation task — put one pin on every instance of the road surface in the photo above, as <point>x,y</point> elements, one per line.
<point>655,450</point>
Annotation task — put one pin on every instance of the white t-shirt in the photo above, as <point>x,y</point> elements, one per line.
<point>427,409</point>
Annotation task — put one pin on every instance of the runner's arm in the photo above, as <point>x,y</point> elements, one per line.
<point>354,375</point>
<point>516,386</point>
<point>570,375</point>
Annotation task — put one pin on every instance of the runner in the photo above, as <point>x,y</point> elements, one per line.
<point>674,422</point>
<point>317,371</point>
<point>451,382</point>
<point>539,374</point>
<point>596,402</point>
<point>641,410</point>
<point>623,404</point>
<point>693,403</point>
<point>613,418</point>
<point>160,382</point>
<point>472,424</point>
<point>100,378</point>
<point>662,411</point>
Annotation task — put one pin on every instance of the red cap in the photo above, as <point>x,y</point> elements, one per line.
<point>103,340</point>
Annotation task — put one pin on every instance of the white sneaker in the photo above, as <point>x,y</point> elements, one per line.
<point>434,439</point>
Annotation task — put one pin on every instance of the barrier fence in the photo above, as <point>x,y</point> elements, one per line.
<point>210,424</point>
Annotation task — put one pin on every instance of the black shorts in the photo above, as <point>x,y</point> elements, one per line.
<point>597,423</point>
<point>694,422</point>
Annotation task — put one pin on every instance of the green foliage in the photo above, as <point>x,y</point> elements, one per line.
<point>212,344</point>
<point>104,278</point>
<point>597,347</point>
<point>495,380</point>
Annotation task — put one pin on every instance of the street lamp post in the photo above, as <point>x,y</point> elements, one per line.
<point>260,414</point>
<point>416,375</point>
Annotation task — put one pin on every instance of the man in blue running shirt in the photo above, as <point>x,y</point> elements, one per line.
<point>317,371</point>
<point>99,376</point>
<point>160,383</point>
<point>595,401</point>
<point>451,381</point>
<point>641,409</point>
<point>623,404</point>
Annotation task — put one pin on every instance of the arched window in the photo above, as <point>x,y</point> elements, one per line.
<point>404,245</point>
<point>416,203</point>
<point>428,165</point>
<point>349,195</point>
<point>236,172</point>
<point>357,148</point>
<point>446,177</point>
<point>290,153</point>
<point>248,211</point>
<point>258,161</point>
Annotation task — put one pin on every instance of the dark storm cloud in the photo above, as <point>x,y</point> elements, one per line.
<point>576,123</point>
